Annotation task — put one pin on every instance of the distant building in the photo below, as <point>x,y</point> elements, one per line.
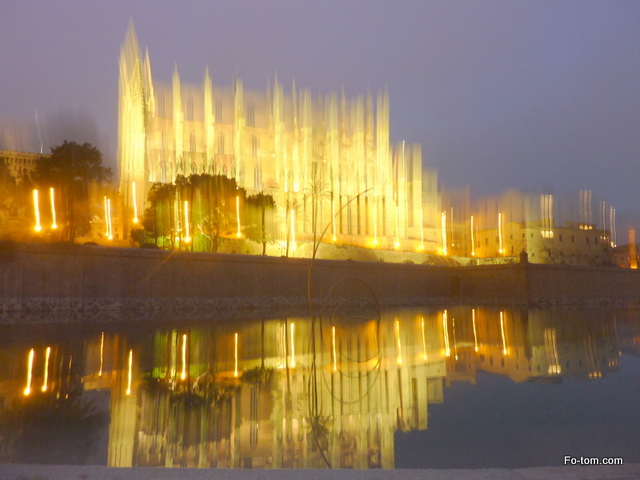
<point>19,163</point>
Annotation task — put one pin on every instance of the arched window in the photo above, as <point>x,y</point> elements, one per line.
<point>221,143</point>
<point>192,141</point>
<point>254,146</point>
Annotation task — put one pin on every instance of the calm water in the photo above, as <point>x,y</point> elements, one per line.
<point>356,387</point>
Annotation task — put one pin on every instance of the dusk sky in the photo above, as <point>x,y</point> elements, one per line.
<point>532,95</point>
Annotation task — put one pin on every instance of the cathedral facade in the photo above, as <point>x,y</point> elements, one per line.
<point>326,159</point>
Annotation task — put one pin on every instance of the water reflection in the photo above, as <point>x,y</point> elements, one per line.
<point>293,392</point>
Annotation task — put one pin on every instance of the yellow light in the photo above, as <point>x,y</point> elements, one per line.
<point>46,369</point>
<point>187,238</point>
<point>397,242</point>
<point>235,355</point>
<point>500,233</point>
<point>424,342</point>
<point>135,202</point>
<point>504,339</point>
<point>101,353</point>
<point>293,349</point>
<point>399,345</point>
<point>293,230</point>
<point>109,219</point>
<point>333,348</point>
<point>130,372</point>
<point>36,209</point>
<point>106,217</point>
<point>238,234</point>
<point>421,230</point>
<point>333,219</point>
<point>375,222</point>
<point>54,225</point>
<point>443,227</point>
<point>184,357</point>
<point>475,337</point>
<point>445,328</point>
<point>27,390</point>
<point>473,239</point>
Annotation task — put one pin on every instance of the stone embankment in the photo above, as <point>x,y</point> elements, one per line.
<point>73,278</point>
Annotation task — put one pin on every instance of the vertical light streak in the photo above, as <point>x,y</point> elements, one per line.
<point>504,337</point>
<point>135,202</point>
<point>238,234</point>
<point>333,348</point>
<point>69,376</point>
<point>421,230</point>
<point>293,349</point>
<point>106,218</point>
<point>293,229</point>
<point>445,329</point>
<point>500,245</point>
<point>110,224</point>
<point>399,345</point>
<point>27,390</point>
<point>235,355</point>
<point>54,225</point>
<point>424,341</point>
<point>612,223</point>
<point>333,219</point>
<point>443,228</point>
<point>473,239</point>
<point>187,238</point>
<point>101,354</point>
<point>36,209</point>
<point>475,335</point>
<point>375,222</point>
<point>397,242</point>
<point>47,355</point>
<point>183,375</point>
<point>130,371</point>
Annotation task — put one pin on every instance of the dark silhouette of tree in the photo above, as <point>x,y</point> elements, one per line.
<point>260,202</point>
<point>70,169</point>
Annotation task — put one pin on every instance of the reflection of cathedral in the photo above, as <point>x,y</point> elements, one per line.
<point>319,156</point>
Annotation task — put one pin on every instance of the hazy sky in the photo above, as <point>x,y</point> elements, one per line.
<point>525,94</point>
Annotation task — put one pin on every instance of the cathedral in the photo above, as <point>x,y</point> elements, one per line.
<point>326,160</point>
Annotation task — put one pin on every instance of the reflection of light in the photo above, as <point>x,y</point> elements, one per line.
<point>135,202</point>
<point>187,238</point>
<point>47,354</point>
<point>443,227</point>
<point>473,239</point>
<point>54,225</point>
<point>333,219</point>
<point>500,250</point>
<point>424,343</point>
<point>130,371</point>
<point>398,342</point>
<point>504,339</point>
<point>184,357</point>
<point>238,234</point>
<point>293,229</point>
<point>475,336</point>
<point>101,353</point>
<point>36,209</point>
<point>27,390</point>
<point>235,355</point>
<point>445,328</point>
<point>333,348</point>
<point>293,350</point>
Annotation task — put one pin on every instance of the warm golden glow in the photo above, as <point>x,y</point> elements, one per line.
<point>238,233</point>
<point>235,355</point>
<point>101,353</point>
<point>109,219</point>
<point>399,345</point>
<point>27,389</point>
<point>293,349</point>
<point>443,227</point>
<point>504,337</point>
<point>424,342</point>
<point>293,230</point>
<point>135,202</point>
<point>397,242</point>
<point>333,348</point>
<point>183,375</point>
<point>445,331</point>
<point>54,225</point>
<point>187,237</point>
<point>375,222</point>
<point>333,220</point>
<point>475,335</point>
<point>129,376</point>
<point>421,230</point>
<point>45,379</point>
<point>106,218</point>
<point>36,209</point>
<point>473,239</point>
<point>500,249</point>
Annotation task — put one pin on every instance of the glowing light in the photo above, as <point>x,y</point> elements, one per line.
<point>235,355</point>
<point>238,234</point>
<point>109,219</point>
<point>504,338</point>
<point>106,217</point>
<point>424,342</point>
<point>445,329</point>
<point>475,336</point>
<point>47,354</point>
<point>54,225</point>
<point>333,220</point>
<point>375,222</point>
<point>101,353</point>
<point>187,238</point>
<point>27,390</point>
<point>399,360</point>
<point>184,357</point>
<point>36,209</point>
<point>473,239</point>
<point>333,348</point>
<point>130,372</point>
<point>500,250</point>
<point>397,242</point>
<point>421,230</point>
<point>135,202</point>
<point>443,228</point>
<point>293,230</point>
<point>293,349</point>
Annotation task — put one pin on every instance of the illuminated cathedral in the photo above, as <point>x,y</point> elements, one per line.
<point>326,159</point>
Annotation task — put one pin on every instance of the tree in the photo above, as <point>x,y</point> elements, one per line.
<point>262,202</point>
<point>70,169</point>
